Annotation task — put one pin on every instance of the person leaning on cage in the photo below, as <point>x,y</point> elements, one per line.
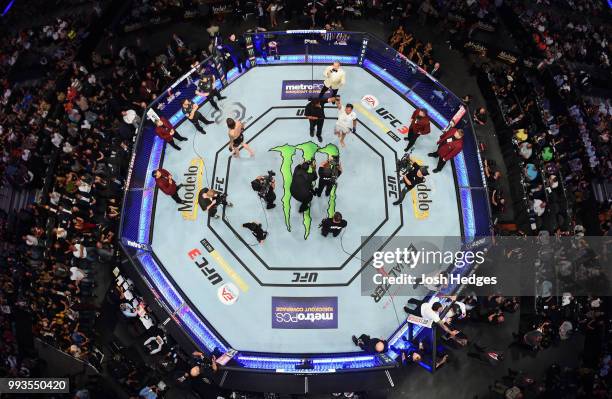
<point>167,185</point>
<point>166,132</point>
<point>209,201</point>
<point>333,225</point>
<point>449,145</point>
<point>191,112</point>
<point>206,88</point>
<point>335,78</point>
<point>415,176</point>
<point>329,171</point>
<point>419,126</point>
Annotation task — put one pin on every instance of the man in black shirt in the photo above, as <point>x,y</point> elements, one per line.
<point>206,88</point>
<point>258,232</point>
<point>191,112</point>
<point>301,185</point>
<point>329,171</point>
<point>237,50</point>
<point>333,225</point>
<point>370,345</point>
<point>316,116</point>
<point>415,176</point>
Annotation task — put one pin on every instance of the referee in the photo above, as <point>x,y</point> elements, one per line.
<point>206,88</point>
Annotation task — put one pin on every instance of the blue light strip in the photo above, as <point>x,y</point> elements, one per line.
<point>402,88</point>
<point>7,8</point>
<point>148,192</point>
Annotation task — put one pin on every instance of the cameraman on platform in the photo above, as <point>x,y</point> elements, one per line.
<point>210,200</point>
<point>264,186</point>
<point>329,171</point>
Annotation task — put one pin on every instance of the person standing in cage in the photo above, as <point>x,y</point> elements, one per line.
<point>166,132</point>
<point>450,145</point>
<point>167,185</point>
<point>236,137</point>
<point>207,88</point>
<point>335,78</point>
<point>238,52</point>
<point>316,116</point>
<point>347,120</point>
<point>191,112</point>
<point>419,126</point>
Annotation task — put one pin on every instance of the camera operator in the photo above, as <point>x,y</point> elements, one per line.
<point>304,177</point>
<point>206,88</point>
<point>414,176</point>
<point>333,225</point>
<point>264,186</point>
<point>191,112</point>
<point>210,200</point>
<point>329,171</point>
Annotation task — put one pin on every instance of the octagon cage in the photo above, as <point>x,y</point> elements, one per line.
<point>281,48</point>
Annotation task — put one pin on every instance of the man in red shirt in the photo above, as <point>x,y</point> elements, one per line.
<point>419,126</point>
<point>167,133</point>
<point>449,145</point>
<point>167,185</point>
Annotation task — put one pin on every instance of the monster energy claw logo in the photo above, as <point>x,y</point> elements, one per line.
<point>309,149</point>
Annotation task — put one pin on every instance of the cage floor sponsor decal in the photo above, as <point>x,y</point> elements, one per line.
<point>192,184</point>
<point>309,150</point>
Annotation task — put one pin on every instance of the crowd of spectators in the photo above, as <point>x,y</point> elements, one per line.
<point>416,51</point>
<point>87,112</point>
<point>29,105</point>
<point>562,36</point>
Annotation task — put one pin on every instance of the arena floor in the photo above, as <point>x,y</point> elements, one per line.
<point>296,261</point>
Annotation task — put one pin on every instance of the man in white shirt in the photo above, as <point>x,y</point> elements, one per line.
<point>334,79</point>
<point>347,121</point>
<point>431,310</point>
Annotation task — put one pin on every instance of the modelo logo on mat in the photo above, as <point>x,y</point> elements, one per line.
<point>192,185</point>
<point>228,294</point>
<point>421,198</point>
<point>304,313</point>
<point>300,89</point>
<point>369,101</point>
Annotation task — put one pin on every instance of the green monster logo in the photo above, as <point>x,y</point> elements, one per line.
<point>309,149</point>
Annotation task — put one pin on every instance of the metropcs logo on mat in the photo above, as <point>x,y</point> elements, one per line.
<point>300,89</point>
<point>192,184</point>
<point>308,149</point>
<point>304,313</point>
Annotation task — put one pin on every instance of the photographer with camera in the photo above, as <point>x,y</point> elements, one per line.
<point>191,112</point>
<point>264,186</point>
<point>333,225</point>
<point>414,176</point>
<point>209,201</point>
<point>329,171</point>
